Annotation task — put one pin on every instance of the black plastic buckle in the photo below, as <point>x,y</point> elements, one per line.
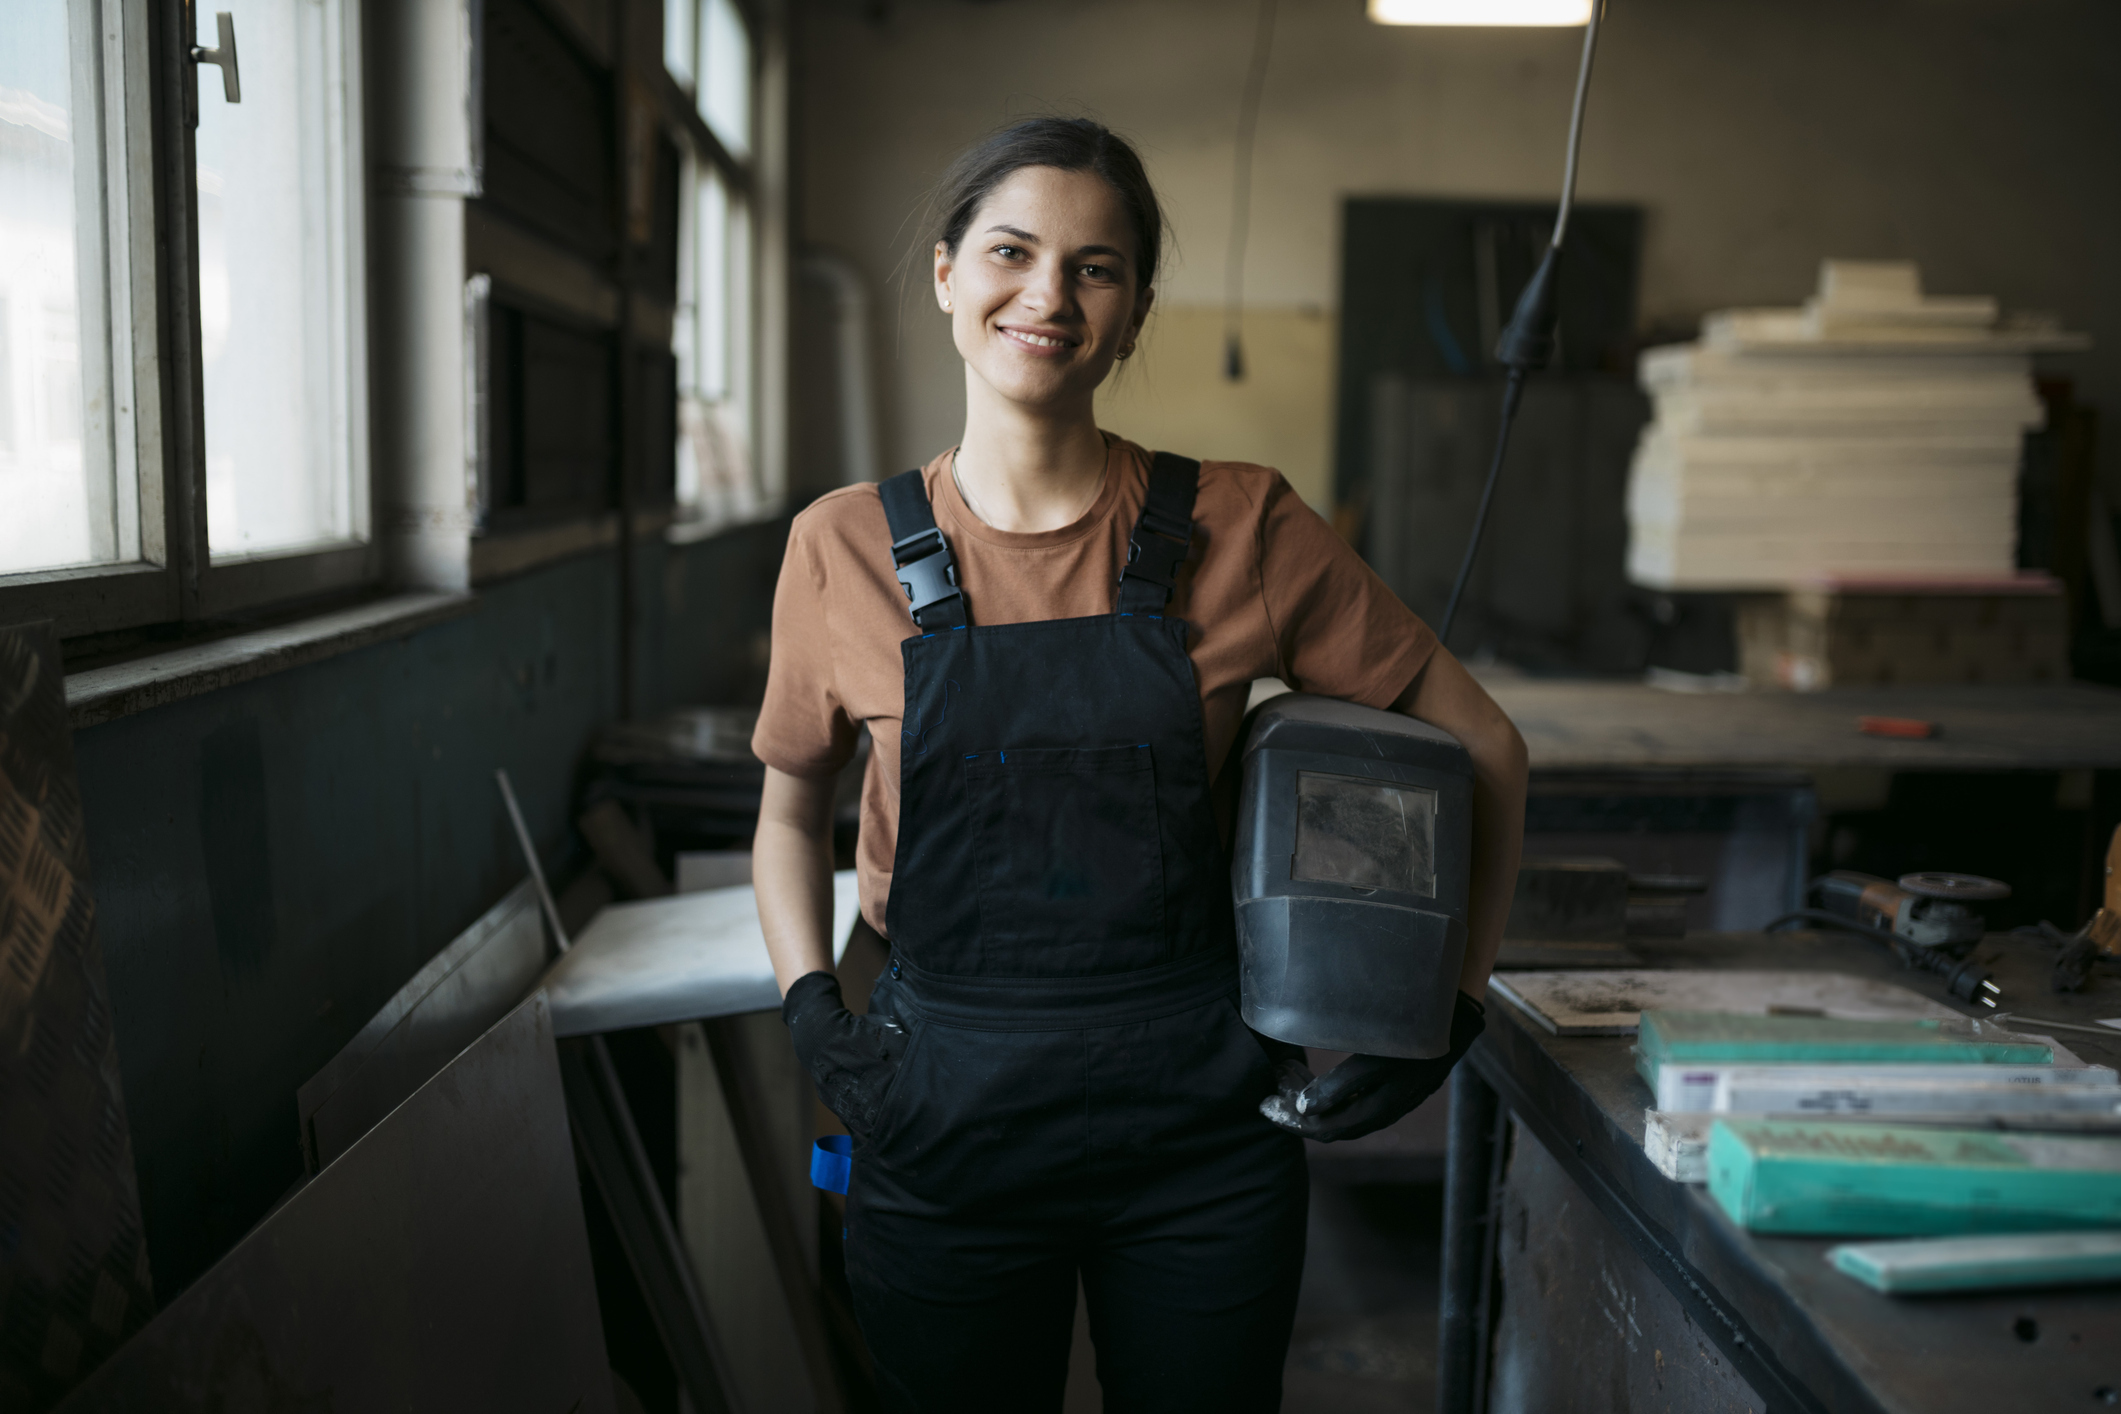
<point>1156,558</point>
<point>926,570</point>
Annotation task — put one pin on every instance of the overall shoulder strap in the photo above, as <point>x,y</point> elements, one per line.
<point>1161,538</point>
<point>926,569</point>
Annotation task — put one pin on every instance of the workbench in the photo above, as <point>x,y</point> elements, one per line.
<point>1577,1277</point>
<point>1582,724</point>
<point>1730,785</point>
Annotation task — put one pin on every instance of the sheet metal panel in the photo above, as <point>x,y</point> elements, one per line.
<point>73,1265</point>
<point>440,1263</point>
<point>1585,1327</point>
<point>466,987</point>
<point>690,957</point>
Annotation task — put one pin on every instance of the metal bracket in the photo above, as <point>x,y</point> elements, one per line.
<point>223,55</point>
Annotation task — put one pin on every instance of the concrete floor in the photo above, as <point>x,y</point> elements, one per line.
<point>1365,1339</point>
<point>1366,1322</point>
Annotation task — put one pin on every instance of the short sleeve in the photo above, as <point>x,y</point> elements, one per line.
<point>804,728</point>
<point>1338,630</point>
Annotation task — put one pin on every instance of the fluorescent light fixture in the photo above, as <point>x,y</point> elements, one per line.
<point>1481,12</point>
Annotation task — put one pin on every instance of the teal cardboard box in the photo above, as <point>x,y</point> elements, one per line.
<point>1706,1037</point>
<point>1798,1176</point>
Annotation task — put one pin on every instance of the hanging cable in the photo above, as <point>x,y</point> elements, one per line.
<point>1527,341</point>
<point>1241,194</point>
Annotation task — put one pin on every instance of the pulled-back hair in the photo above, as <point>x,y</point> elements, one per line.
<point>1070,144</point>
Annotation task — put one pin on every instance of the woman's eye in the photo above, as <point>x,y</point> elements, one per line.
<point>1008,252</point>
<point>1098,272</point>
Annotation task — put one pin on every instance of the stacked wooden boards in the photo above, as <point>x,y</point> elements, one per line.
<point>1876,430</point>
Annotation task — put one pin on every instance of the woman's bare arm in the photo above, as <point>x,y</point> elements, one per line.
<point>1445,695</point>
<point>791,870</point>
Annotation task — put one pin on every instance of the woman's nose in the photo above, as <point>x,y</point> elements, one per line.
<point>1046,289</point>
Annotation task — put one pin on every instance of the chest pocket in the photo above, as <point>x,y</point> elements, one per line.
<point>1070,856</point>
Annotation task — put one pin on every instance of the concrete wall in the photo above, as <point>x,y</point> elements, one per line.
<point>273,860</point>
<point>1975,136</point>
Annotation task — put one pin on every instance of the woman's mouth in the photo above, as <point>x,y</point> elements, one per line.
<point>1030,342</point>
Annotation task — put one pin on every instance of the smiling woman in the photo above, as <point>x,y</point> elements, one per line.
<point>1050,635</point>
<point>1050,237</point>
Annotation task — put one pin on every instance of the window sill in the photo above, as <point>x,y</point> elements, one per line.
<point>686,532</point>
<point>501,554</point>
<point>104,694</point>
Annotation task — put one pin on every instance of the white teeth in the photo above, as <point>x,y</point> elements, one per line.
<point>1036,340</point>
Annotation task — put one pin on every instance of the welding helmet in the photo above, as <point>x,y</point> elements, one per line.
<point>1351,861</point>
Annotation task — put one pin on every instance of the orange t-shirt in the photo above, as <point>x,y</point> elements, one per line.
<point>1268,591</point>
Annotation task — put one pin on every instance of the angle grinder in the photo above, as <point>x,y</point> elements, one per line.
<point>1923,917</point>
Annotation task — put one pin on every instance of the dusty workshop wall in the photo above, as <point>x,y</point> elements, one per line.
<point>273,860</point>
<point>1969,135</point>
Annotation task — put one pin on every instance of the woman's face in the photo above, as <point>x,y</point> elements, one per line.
<point>1043,292</point>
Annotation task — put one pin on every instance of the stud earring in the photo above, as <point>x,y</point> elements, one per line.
<point>946,306</point>
<point>1127,352</point>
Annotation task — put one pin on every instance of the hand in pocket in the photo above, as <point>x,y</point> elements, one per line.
<point>853,1059</point>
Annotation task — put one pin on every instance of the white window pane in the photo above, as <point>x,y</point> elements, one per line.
<point>715,476</point>
<point>59,499</point>
<point>678,40</point>
<point>725,75</point>
<point>711,287</point>
<point>275,283</point>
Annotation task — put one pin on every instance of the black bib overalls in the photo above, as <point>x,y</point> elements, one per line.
<point>1078,1095</point>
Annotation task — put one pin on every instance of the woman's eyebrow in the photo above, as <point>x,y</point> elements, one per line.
<point>1015,231</point>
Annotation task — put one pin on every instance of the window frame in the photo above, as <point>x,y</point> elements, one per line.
<point>149,329</point>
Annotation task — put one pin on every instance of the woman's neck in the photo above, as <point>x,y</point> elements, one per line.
<point>1023,470</point>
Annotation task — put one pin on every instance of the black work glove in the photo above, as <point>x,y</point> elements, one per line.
<point>851,1058</point>
<point>1363,1094</point>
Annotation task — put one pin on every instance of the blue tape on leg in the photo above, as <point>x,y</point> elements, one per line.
<point>831,1161</point>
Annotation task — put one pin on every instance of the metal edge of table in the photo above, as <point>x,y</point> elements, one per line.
<point>1740,1305</point>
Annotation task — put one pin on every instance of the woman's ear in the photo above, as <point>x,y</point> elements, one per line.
<point>1142,302</point>
<point>942,275</point>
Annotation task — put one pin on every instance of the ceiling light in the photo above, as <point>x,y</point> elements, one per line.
<point>1481,12</point>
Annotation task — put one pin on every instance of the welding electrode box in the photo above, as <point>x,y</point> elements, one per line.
<point>1352,857</point>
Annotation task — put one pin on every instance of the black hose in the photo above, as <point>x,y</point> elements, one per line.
<point>1512,390</point>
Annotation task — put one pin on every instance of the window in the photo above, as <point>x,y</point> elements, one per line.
<point>709,52</point>
<point>67,477</point>
<point>711,336</point>
<point>279,284</point>
<point>724,75</point>
<point>122,501</point>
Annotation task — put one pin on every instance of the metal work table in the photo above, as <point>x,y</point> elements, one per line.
<point>1779,1324</point>
<point>1575,724</point>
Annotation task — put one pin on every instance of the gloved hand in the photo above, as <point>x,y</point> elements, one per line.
<point>851,1058</point>
<point>1365,1093</point>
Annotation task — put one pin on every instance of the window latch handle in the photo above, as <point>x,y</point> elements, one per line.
<point>223,55</point>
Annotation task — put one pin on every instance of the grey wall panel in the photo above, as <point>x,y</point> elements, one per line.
<point>1550,588</point>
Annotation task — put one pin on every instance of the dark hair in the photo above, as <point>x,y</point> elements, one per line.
<point>1072,145</point>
